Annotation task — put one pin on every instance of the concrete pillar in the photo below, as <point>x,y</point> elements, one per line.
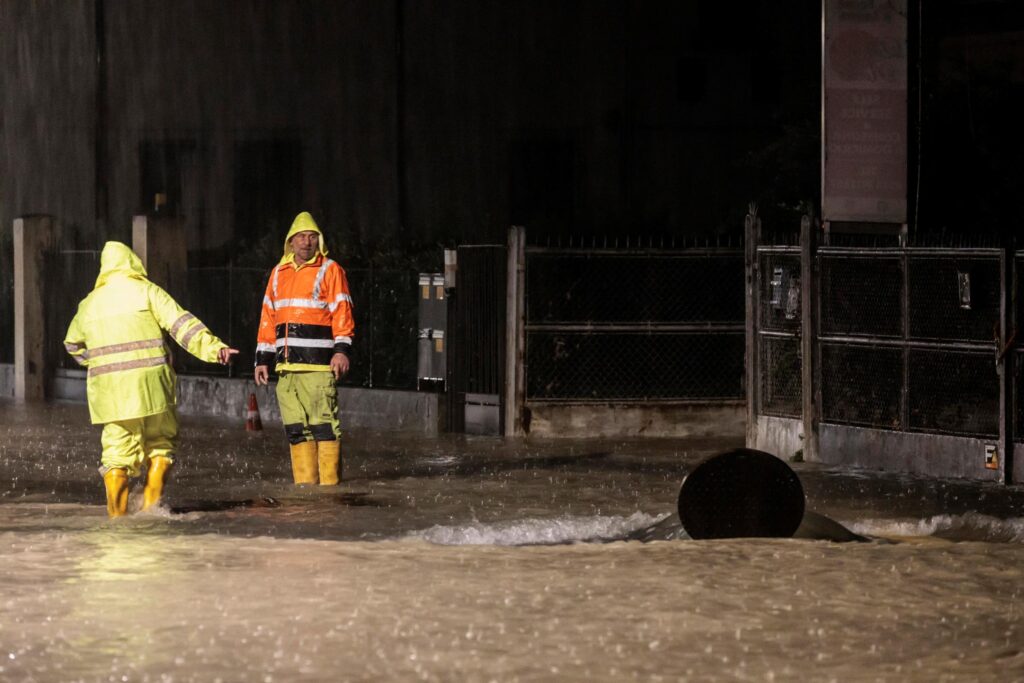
<point>33,237</point>
<point>160,243</point>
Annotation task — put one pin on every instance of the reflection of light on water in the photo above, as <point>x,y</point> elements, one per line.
<point>971,526</point>
<point>120,582</point>
<point>122,555</point>
<point>538,531</point>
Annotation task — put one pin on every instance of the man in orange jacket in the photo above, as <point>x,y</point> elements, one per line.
<point>306,329</point>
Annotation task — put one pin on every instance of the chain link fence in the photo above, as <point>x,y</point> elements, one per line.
<point>778,325</point>
<point>909,339</point>
<point>1018,353</point>
<point>640,324</point>
<point>229,299</point>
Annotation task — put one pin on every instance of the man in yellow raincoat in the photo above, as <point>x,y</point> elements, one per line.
<point>118,334</point>
<point>306,330</point>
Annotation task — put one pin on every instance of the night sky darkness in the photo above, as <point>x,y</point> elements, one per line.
<point>971,135</point>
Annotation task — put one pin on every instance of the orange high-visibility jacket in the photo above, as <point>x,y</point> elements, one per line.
<point>307,310</point>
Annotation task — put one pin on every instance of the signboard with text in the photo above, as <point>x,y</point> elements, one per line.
<point>864,100</point>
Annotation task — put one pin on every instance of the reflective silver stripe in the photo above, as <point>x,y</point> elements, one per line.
<point>334,306</point>
<point>76,351</point>
<point>274,286</point>
<point>121,348</point>
<point>268,302</point>
<point>128,365</point>
<point>191,333</point>
<point>343,340</point>
<point>338,300</point>
<point>179,323</point>
<point>300,303</point>
<point>309,343</point>
<point>263,346</point>
<point>320,277</point>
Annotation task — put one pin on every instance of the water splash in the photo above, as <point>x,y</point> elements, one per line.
<point>533,531</point>
<point>970,526</point>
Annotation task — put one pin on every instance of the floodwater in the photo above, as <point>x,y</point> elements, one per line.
<point>479,559</point>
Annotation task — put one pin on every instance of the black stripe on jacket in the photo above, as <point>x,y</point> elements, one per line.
<point>300,354</point>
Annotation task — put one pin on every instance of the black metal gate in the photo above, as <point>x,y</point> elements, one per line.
<point>476,338</point>
<point>884,355</point>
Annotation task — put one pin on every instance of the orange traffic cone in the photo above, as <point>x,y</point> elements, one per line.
<point>252,416</point>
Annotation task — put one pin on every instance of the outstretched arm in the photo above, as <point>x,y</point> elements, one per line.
<point>186,329</point>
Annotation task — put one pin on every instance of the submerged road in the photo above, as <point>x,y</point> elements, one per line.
<point>484,559</point>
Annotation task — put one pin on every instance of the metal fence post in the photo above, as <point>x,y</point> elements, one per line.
<point>809,337</point>
<point>751,239</point>
<point>515,371</point>
<point>231,312</point>
<point>1007,368</point>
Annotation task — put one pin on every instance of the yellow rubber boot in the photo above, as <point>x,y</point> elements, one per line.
<point>304,464</point>
<point>328,453</point>
<point>116,482</point>
<point>155,480</point>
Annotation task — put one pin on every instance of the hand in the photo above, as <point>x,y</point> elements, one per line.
<point>261,375</point>
<point>225,354</point>
<point>339,365</point>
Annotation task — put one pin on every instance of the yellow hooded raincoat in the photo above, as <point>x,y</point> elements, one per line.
<point>118,334</point>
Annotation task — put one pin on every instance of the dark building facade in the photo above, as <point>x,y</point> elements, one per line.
<point>397,122</point>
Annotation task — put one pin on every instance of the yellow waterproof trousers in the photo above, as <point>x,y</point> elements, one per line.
<point>309,406</point>
<point>127,444</point>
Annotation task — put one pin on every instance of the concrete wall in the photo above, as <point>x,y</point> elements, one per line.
<point>934,455</point>
<point>631,420</point>
<point>406,411</point>
<point>782,436</point>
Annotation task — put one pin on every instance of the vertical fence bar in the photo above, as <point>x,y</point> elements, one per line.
<point>905,332</point>
<point>1005,361</point>
<point>231,313</point>
<point>751,236</point>
<point>515,335</point>
<point>808,337</point>
<point>372,290</point>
